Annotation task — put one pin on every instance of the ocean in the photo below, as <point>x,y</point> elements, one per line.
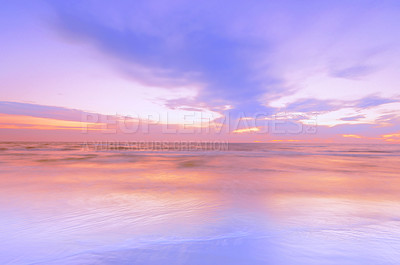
<point>248,204</point>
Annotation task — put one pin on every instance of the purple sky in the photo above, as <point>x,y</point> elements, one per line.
<point>333,63</point>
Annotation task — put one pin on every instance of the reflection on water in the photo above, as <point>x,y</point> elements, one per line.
<point>288,204</point>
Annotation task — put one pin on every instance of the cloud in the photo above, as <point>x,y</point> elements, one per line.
<point>395,137</point>
<point>8,121</point>
<point>353,118</point>
<point>311,104</point>
<point>318,105</point>
<point>372,101</point>
<point>351,136</point>
<point>42,111</point>
<point>238,51</point>
<point>172,48</point>
<point>354,72</point>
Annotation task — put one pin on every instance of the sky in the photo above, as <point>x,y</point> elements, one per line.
<point>244,71</point>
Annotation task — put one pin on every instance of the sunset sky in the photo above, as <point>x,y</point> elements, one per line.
<point>245,71</point>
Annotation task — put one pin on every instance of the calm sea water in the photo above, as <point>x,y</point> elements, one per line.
<point>279,204</point>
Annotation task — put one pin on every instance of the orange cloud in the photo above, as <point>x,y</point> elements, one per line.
<point>289,140</point>
<point>246,119</point>
<point>8,121</point>
<point>247,130</point>
<point>351,136</point>
<point>395,137</point>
